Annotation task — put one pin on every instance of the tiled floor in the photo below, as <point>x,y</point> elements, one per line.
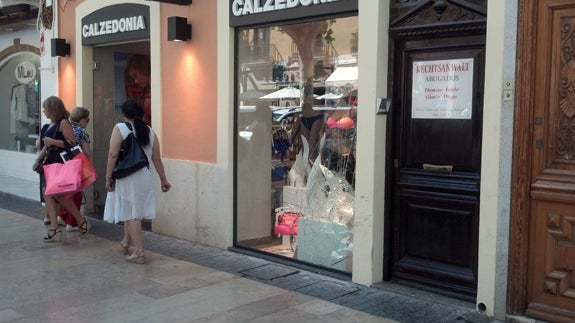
<point>87,280</point>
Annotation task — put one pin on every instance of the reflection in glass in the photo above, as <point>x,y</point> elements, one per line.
<point>297,108</point>
<point>20,99</point>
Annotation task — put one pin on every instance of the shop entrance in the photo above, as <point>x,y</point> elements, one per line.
<point>436,127</point>
<point>120,72</point>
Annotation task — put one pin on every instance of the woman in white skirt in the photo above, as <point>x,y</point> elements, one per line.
<point>131,199</point>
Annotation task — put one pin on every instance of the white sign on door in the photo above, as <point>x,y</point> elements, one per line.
<point>442,89</point>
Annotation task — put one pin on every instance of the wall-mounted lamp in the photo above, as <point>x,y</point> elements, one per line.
<point>179,29</point>
<point>60,47</point>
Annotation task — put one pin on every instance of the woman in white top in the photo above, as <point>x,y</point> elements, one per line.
<point>131,199</point>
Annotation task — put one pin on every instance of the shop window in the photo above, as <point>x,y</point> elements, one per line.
<point>297,106</point>
<point>20,99</point>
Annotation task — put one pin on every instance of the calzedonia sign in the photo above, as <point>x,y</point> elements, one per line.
<point>250,12</point>
<point>117,23</point>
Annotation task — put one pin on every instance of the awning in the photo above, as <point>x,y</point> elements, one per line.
<point>330,96</point>
<point>285,93</point>
<point>251,94</point>
<point>342,76</point>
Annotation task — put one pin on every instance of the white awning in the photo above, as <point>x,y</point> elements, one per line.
<point>342,76</point>
<point>285,93</point>
<point>330,96</point>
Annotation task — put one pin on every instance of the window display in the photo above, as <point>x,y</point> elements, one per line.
<point>19,93</point>
<point>296,121</point>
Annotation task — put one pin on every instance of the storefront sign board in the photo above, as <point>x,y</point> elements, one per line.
<point>116,23</point>
<point>250,12</point>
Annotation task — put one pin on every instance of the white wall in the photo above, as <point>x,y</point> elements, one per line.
<point>48,71</point>
<point>370,175</point>
<point>496,158</point>
<point>28,37</point>
<point>225,106</point>
<point>193,208</point>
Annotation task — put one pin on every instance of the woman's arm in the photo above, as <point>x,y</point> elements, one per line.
<point>159,165</point>
<point>67,132</point>
<point>87,149</point>
<point>114,150</point>
<point>41,153</point>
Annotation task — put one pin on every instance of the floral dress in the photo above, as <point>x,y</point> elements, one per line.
<point>81,134</point>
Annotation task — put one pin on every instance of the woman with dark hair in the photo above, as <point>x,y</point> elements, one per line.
<point>56,138</point>
<point>132,198</point>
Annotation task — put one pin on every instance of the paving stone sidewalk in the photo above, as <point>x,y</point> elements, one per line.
<point>386,300</point>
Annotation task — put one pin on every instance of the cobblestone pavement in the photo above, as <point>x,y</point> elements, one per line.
<point>386,300</point>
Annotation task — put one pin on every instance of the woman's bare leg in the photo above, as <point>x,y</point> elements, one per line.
<point>51,210</point>
<point>135,232</point>
<point>69,204</point>
<point>54,233</point>
<point>82,222</point>
<point>126,240</point>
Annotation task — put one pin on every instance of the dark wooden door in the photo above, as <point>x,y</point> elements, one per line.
<point>542,238</point>
<point>436,151</point>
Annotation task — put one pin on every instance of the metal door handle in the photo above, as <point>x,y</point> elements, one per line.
<point>438,168</point>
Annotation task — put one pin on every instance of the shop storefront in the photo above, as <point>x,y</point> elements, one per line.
<point>131,50</point>
<point>118,37</point>
<point>278,141</point>
<point>25,68</point>
<point>296,113</point>
<point>400,194</point>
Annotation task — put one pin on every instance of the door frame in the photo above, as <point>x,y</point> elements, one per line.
<point>521,164</point>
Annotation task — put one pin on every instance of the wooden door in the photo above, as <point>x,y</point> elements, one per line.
<point>437,122</point>
<point>542,238</point>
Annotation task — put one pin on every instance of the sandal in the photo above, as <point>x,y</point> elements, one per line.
<point>54,235</point>
<point>137,257</point>
<point>84,228</point>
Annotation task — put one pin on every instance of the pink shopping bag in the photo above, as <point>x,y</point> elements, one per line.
<point>63,178</point>
<point>88,171</point>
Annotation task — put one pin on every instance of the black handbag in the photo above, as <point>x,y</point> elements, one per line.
<point>39,163</point>
<point>131,158</point>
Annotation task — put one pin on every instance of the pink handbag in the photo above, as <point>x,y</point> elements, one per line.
<point>286,222</point>
<point>63,178</point>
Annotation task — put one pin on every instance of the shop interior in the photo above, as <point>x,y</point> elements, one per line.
<point>296,141</point>
<point>120,72</point>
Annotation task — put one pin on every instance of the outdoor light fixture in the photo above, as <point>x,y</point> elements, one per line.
<point>179,29</point>
<point>60,47</point>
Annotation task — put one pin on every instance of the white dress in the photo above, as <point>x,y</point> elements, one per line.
<point>133,196</point>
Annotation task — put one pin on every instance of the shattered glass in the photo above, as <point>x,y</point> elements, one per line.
<point>326,229</point>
